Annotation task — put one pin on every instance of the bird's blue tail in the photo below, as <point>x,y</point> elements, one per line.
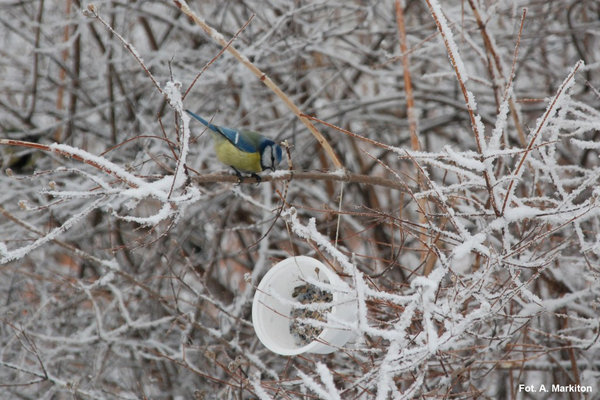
<point>237,138</point>
<point>204,122</point>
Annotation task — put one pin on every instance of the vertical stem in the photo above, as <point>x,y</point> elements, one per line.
<point>62,74</point>
<point>111,87</point>
<point>410,100</point>
<point>74,87</point>
<point>427,256</point>
<point>34,86</point>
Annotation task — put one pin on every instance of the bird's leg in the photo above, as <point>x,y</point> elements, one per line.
<point>239,176</point>
<point>258,178</point>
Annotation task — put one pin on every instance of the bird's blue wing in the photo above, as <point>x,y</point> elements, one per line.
<point>238,139</point>
<point>235,137</point>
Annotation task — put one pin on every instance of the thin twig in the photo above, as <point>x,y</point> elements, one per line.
<point>498,63</point>
<point>92,9</point>
<point>537,131</point>
<point>219,54</point>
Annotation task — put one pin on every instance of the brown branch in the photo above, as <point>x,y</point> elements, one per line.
<point>410,100</point>
<point>302,175</point>
<point>411,114</point>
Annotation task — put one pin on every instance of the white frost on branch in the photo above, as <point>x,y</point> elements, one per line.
<point>310,232</point>
<point>327,391</point>
<point>11,255</point>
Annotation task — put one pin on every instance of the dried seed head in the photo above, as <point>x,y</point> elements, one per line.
<point>304,332</point>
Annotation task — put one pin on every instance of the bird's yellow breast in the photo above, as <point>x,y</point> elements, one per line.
<point>230,155</point>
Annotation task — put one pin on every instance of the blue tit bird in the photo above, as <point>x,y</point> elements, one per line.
<point>244,151</point>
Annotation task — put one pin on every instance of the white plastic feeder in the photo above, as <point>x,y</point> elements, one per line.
<point>273,303</point>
